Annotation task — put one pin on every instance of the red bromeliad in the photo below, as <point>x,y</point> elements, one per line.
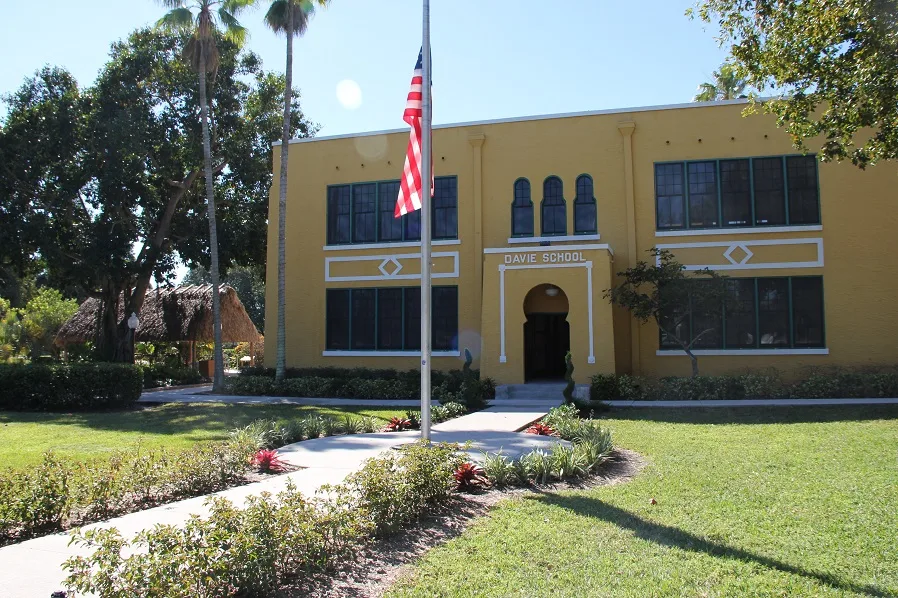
<point>541,429</point>
<point>398,424</point>
<point>268,461</point>
<point>469,476</point>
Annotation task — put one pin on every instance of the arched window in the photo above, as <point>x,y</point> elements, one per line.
<point>585,207</point>
<point>554,215</point>
<point>522,210</point>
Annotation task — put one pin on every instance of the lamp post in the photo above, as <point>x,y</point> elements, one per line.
<point>133,323</point>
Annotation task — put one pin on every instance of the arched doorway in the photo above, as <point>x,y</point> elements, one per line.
<point>547,334</point>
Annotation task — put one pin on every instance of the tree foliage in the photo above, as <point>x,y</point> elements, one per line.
<point>100,184</point>
<point>663,292</point>
<point>834,66</point>
<point>247,281</point>
<point>727,85</point>
<point>29,332</point>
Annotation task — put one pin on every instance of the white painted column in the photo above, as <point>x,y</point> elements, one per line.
<point>502,358</point>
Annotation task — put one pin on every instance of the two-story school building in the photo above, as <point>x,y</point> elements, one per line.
<point>532,219</point>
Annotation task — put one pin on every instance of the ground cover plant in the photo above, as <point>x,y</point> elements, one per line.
<point>817,383</point>
<point>784,502</point>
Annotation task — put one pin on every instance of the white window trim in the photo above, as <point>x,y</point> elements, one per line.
<point>519,240</point>
<point>360,246</point>
<point>700,352</point>
<point>388,354</point>
<point>604,246</point>
<point>738,231</point>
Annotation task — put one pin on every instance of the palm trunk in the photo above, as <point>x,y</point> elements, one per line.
<point>218,355</point>
<point>281,366</point>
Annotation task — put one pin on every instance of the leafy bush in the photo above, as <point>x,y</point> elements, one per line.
<point>69,387</point>
<point>822,383</point>
<point>567,462</point>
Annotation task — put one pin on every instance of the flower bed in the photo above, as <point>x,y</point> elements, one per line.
<point>818,384</point>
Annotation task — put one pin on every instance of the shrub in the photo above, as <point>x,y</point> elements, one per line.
<point>569,379</point>
<point>469,477</point>
<point>69,387</point>
<point>268,461</point>
<point>567,462</point>
<point>161,374</point>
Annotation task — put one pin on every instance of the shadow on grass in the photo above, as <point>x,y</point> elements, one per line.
<point>667,535</point>
<point>176,419</point>
<point>753,415</point>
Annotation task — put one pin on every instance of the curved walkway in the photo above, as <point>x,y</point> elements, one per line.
<point>34,568</point>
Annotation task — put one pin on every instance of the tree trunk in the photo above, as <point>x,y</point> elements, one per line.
<point>281,365</point>
<point>113,340</point>
<point>694,362</point>
<point>218,355</point>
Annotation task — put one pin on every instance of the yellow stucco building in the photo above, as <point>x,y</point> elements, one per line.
<point>532,219</point>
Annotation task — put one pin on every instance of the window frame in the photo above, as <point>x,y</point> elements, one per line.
<point>529,206</point>
<point>542,209</point>
<point>378,212</point>
<point>756,312</point>
<point>591,201</point>
<point>783,158</point>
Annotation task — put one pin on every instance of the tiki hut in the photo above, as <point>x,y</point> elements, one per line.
<point>171,315</point>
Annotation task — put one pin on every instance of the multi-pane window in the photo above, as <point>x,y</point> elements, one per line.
<point>522,210</point>
<point>554,212</point>
<point>770,191</point>
<point>669,192</point>
<point>445,204</point>
<point>757,313</point>
<point>363,213</point>
<point>702,184</point>
<point>389,319</point>
<point>736,193</point>
<point>585,207</point>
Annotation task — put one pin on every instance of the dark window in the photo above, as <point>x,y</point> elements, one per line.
<point>390,226</point>
<point>337,319</point>
<point>522,210</point>
<point>740,313</point>
<point>770,194</point>
<point>675,325</point>
<point>412,226</point>
<point>702,178</point>
<point>554,214</point>
<point>807,311</point>
<point>669,194</point>
<point>585,206</point>
<point>412,318</point>
<point>773,312</point>
<point>735,192</point>
<point>389,319</point>
<point>363,318</point>
<point>707,324</point>
<point>445,208</point>
<point>804,205</point>
<point>339,200</point>
<point>364,213</point>
<point>445,319</point>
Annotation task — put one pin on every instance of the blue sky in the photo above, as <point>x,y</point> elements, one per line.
<point>492,59</point>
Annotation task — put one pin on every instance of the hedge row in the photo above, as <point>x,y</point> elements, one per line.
<point>372,384</point>
<point>453,377</point>
<point>37,387</point>
<point>819,384</point>
<point>160,374</point>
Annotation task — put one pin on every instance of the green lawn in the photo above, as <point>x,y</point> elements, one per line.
<point>791,502</point>
<point>24,437</point>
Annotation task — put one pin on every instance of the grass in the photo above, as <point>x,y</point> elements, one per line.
<point>24,437</point>
<point>791,502</point>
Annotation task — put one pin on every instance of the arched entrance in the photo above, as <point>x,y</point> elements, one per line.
<point>547,334</point>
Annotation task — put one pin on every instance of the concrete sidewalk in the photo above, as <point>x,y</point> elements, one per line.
<point>33,569</point>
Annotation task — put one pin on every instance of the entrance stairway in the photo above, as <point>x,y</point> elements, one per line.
<point>533,395</point>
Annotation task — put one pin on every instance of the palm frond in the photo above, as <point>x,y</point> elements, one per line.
<point>276,17</point>
<point>233,30</point>
<point>707,92</point>
<point>172,4</point>
<point>235,7</point>
<point>177,19</point>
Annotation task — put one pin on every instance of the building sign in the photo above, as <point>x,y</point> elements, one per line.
<point>549,257</point>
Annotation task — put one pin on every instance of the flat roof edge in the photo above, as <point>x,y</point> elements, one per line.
<point>536,117</point>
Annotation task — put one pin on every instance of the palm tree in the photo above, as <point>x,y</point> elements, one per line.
<point>290,17</point>
<point>206,21</point>
<point>727,85</point>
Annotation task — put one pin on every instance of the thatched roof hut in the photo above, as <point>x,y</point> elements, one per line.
<point>171,315</point>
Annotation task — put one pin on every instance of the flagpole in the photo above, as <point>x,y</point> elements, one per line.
<point>426,178</point>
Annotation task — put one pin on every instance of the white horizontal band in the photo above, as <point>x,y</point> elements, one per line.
<point>738,231</point>
<point>388,354</point>
<point>700,352</point>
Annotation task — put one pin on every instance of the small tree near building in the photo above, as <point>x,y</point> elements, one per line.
<point>686,306</point>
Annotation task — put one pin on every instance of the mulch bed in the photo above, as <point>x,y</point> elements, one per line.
<point>377,566</point>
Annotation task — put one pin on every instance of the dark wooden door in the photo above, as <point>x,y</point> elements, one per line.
<point>547,339</point>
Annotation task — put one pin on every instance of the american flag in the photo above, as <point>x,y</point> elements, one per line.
<point>410,185</point>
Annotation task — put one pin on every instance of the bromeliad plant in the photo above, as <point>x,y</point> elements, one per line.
<point>398,424</point>
<point>541,429</point>
<point>268,461</point>
<point>470,477</point>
